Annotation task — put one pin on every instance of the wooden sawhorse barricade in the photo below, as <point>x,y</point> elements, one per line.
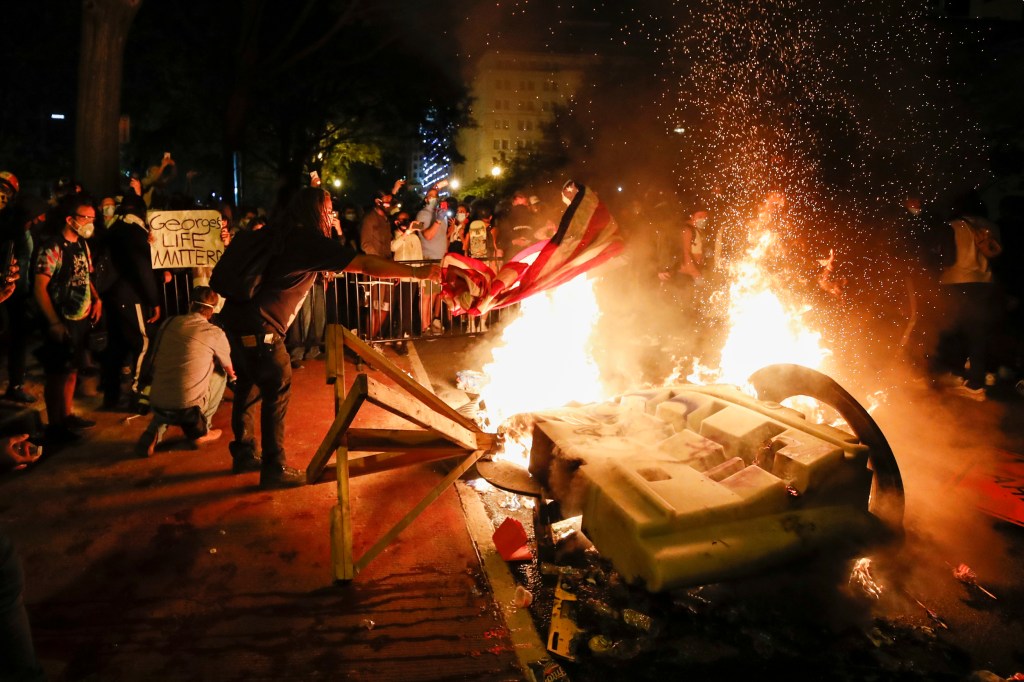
<point>444,433</point>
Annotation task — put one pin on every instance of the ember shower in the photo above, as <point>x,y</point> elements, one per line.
<point>839,107</point>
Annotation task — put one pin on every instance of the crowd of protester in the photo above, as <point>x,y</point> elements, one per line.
<point>80,296</point>
<point>86,303</point>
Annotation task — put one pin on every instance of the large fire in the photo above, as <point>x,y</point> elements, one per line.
<point>544,358</point>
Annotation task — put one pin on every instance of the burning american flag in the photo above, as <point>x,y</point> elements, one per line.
<point>587,236</point>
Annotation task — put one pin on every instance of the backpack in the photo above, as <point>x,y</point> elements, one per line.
<point>239,272</point>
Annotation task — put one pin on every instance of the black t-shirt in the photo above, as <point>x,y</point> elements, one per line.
<point>287,281</point>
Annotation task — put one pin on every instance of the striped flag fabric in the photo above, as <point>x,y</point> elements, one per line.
<point>587,236</point>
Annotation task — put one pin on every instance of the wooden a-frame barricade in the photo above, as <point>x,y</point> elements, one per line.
<point>443,433</point>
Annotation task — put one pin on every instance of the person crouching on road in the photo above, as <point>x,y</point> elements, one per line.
<point>256,328</point>
<point>191,365</point>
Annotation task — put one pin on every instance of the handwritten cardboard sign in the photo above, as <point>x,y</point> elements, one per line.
<point>184,239</point>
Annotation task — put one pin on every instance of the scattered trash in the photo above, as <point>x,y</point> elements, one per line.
<point>511,541</point>
<point>546,670</point>
<point>931,614</point>
<point>481,485</point>
<point>511,502</point>
<point>366,623</point>
<point>213,550</point>
<point>560,530</point>
<point>964,574</point>
<point>522,598</point>
<point>599,608</point>
<point>638,621</point>
<point>554,569</point>
<point>564,634</point>
<point>130,417</point>
<point>470,381</point>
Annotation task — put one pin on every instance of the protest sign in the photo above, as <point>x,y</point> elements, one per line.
<point>185,239</point>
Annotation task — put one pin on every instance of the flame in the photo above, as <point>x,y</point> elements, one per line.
<point>861,576</point>
<point>543,361</point>
<point>763,329</point>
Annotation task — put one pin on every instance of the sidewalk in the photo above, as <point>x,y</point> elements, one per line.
<point>173,568</point>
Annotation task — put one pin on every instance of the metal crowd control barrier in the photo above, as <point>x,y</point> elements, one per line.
<point>383,310</point>
<point>376,310</point>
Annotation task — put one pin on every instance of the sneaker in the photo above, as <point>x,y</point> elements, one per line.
<point>208,437</point>
<point>964,391</point>
<point>146,445</point>
<point>284,477</point>
<point>436,327</point>
<point>73,421</point>
<point>18,394</point>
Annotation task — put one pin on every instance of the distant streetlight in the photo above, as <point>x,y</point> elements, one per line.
<point>496,171</point>
<point>337,183</point>
<point>679,131</point>
<point>57,117</point>
<point>454,184</point>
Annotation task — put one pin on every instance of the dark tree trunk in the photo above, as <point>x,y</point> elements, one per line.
<point>105,26</point>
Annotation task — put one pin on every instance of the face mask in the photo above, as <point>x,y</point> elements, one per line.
<point>108,211</point>
<point>351,217</point>
<point>460,217</point>
<point>85,231</point>
<point>431,202</point>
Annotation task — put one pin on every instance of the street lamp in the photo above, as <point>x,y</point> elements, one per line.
<point>454,184</point>
<point>337,183</point>
<point>496,171</point>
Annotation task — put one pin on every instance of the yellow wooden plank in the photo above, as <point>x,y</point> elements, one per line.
<point>435,493</point>
<point>418,413</point>
<point>342,558</point>
<point>343,419</point>
<point>333,349</point>
<point>398,375</point>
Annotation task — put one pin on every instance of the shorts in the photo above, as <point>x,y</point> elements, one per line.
<point>67,355</point>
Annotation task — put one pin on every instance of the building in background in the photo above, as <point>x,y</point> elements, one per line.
<point>432,162</point>
<point>514,95</point>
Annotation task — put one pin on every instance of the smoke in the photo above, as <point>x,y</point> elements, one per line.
<point>839,109</point>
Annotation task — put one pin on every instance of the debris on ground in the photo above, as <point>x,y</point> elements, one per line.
<point>964,574</point>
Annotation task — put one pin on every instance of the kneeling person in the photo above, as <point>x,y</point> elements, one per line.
<point>186,386</point>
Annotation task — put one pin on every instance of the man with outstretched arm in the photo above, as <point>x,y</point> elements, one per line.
<point>256,328</point>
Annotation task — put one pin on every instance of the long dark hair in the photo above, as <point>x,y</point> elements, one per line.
<point>307,210</point>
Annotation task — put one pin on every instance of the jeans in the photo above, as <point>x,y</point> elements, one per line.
<point>162,418</point>
<point>264,373</point>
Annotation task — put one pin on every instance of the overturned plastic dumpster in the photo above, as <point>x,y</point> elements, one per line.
<point>688,485</point>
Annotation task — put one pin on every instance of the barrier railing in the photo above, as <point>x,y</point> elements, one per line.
<point>382,310</point>
<point>376,310</point>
